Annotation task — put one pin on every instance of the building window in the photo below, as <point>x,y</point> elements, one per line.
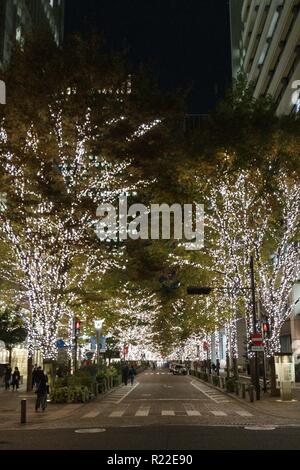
<point>19,34</point>
<point>285,343</point>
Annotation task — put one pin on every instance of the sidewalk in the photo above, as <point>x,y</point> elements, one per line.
<point>10,409</point>
<point>272,406</point>
<point>283,409</point>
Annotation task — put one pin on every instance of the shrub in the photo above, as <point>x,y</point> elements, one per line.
<point>216,380</point>
<point>230,384</point>
<point>70,394</point>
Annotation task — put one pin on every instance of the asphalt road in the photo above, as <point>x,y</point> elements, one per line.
<point>161,412</point>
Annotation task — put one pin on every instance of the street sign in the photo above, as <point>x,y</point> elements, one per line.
<point>256,348</point>
<point>257,339</point>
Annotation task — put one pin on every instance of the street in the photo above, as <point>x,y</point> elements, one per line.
<point>162,412</point>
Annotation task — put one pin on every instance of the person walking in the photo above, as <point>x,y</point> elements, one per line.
<point>132,374</point>
<point>7,377</point>
<point>125,374</point>
<point>41,390</point>
<point>16,379</point>
<point>34,374</point>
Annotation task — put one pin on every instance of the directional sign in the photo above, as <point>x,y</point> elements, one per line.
<point>257,348</point>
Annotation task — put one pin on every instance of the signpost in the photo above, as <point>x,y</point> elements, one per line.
<point>257,342</point>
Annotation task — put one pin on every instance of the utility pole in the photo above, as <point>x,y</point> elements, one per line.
<point>254,319</point>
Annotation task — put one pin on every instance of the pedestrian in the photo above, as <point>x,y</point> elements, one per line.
<point>125,374</point>
<point>218,366</point>
<point>34,374</point>
<point>132,374</point>
<point>41,390</point>
<point>16,379</point>
<point>7,377</point>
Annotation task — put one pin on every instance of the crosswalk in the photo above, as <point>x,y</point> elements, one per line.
<point>118,395</point>
<point>211,393</point>
<point>156,373</point>
<point>187,410</point>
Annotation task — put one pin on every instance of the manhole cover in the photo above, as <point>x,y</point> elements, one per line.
<point>260,428</point>
<point>90,431</point>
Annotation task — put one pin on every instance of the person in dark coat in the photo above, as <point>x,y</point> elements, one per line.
<point>16,379</point>
<point>7,377</point>
<point>125,374</point>
<point>41,390</point>
<point>34,372</point>
<point>132,374</point>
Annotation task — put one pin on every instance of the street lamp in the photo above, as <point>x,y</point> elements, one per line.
<point>98,327</point>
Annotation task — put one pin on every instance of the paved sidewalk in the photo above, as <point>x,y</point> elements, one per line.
<point>10,409</point>
<point>272,406</point>
<point>275,407</point>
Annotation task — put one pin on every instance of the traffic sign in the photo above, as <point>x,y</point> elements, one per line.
<point>257,339</point>
<point>255,348</point>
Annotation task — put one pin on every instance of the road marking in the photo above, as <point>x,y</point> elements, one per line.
<point>143,411</point>
<point>244,413</point>
<point>193,413</point>
<point>168,413</point>
<point>90,431</point>
<point>131,390</point>
<point>91,414</point>
<point>260,428</point>
<point>210,393</point>
<point>117,413</point>
<point>218,413</point>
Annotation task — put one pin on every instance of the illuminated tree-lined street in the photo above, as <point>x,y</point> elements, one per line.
<point>110,305</point>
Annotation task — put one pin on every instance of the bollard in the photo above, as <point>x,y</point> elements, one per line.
<point>23,411</point>
<point>243,390</point>
<point>251,393</point>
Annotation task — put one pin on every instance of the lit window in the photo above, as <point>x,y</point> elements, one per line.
<point>51,3</point>
<point>273,24</point>
<point>18,34</point>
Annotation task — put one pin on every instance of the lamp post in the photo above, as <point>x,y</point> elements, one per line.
<point>98,327</point>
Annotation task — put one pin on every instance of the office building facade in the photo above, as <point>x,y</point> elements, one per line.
<point>17,17</point>
<point>265,42</point>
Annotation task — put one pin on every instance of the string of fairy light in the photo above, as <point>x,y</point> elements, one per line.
<point>47,240</point>
<point>239,223</point>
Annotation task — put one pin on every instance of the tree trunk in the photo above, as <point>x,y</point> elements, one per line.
<point>275,392</point>
<point>235,367</point>
<point>29,374</point>
<point>9,354</point>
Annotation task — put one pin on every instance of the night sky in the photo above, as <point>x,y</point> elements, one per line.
<point>185,42</point>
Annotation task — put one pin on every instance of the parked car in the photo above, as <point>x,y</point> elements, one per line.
<point>179,369</point>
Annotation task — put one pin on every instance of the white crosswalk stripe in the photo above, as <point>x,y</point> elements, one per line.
<point>193,413</point>
<point>143,411</point>
<point>168,413</point>
<point>117,413</point>
<point>156,373</point>
<point>244,413</point>
<point>92,414</point>
<point>219,413</point>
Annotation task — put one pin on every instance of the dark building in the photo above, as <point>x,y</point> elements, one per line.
<point>19,16</point>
